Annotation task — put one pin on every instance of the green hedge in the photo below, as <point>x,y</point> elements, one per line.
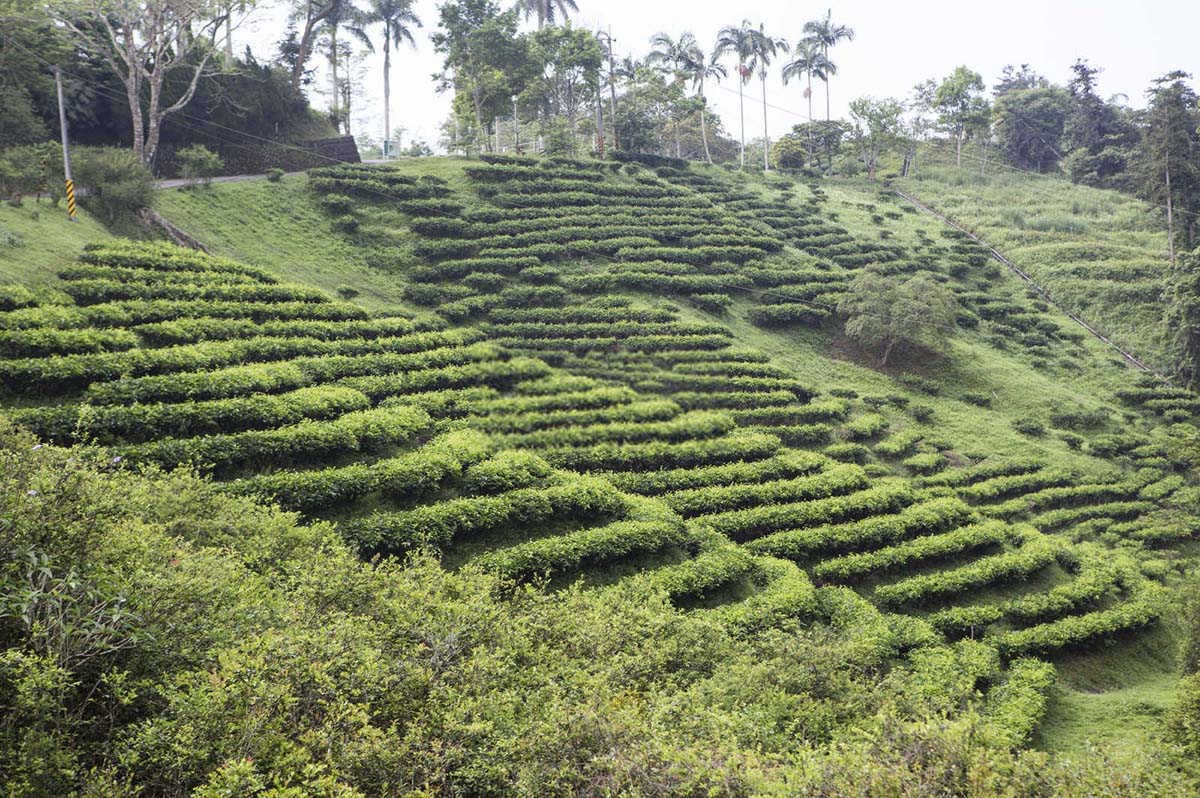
<point>1036,553</point>
<point>439,349</point>
<point>782,466</point>
<point>135,423</point>
<point>930,516</point>
<point>542,420</point>
<point>45,342</point>
<point>964,539</point>
<point>837,480</point>
<point>195,330</point>
<point>591,398</point>
<point>95,292</point>
<point>359,431</point>
<point>688,426</point>
<point>1143,609</point>
<point>743,525</point>
<point>582,499</point>
<point>583,547</point>
<point>657,455</point>
<point>409,476</point>
<point>490,372</point>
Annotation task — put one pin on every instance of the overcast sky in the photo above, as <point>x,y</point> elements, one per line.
<point>896,45</point>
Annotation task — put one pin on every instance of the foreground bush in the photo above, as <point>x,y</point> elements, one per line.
<point>158,636</point>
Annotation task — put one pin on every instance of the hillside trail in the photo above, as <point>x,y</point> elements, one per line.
<point>1129,357</point>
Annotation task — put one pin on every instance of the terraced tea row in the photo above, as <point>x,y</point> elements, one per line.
<point>726,469</point>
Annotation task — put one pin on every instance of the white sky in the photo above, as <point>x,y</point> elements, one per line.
<point>896,45</point>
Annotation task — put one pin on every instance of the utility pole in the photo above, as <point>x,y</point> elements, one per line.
<point>599,123</point>
<point>516,128</point>
<point>612,85</point>
<point>62,123</point>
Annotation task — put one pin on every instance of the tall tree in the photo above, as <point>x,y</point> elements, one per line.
<point>1183,318</point>
<point>486,61</point>
<point>699,68</point>
<point>672,56</point>
<point>1018,79</point>
<point>1029,125</point>
<point>919,123</point>
<point>312,15</point>
<point>606,41</point>
<point>145,42</point>
<point>398,21</point>
<point>569,82</point>
<point>345,15</point>
<point>1099,138</point>
<point>961,106</point>
<point>808,60</point>
<point>763,48</point>
<point>1170,159</point>
<point>883,314</point>
<point>827,34</point>
<point>546,10</point>
<point>230,11</point>
<point>737,40</point>
<point>875,127</point>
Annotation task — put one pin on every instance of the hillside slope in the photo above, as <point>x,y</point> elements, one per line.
<point>1100,254</point>
<point>645,363</point>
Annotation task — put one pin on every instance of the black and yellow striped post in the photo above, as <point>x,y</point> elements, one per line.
<point>71,199</point>
<point>66,148</point>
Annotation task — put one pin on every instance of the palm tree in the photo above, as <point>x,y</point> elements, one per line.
<point>763,49</point>
<point>699,68</point>
<point>398,22</point>
<point>808,60</point>
<point>736,40</point>
<point>545,10</point>
<point>672,56</point>
<point>349,16</point>
<point>826,34</point>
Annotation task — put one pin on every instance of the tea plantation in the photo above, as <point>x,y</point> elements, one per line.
<point>616,376</point>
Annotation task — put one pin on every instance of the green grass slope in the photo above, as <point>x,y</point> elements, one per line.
<point>37,240</point>
<point>1099,253</point>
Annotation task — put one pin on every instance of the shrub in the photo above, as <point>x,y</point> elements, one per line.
<point>883,314</point>
<point>275,175</point>
<point>199,164</point>
<point>1029,426</point>
<point>118,184</point>
<point>337,204</point>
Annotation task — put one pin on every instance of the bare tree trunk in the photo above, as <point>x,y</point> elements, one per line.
<point>347,88</point>
<point>825,53</point>
<point>335,110</point>
<point>612,89</point>
<point>766,137</point>
<point>387,86</point>
<point>742,117</point>
<point>704,127</point>
<point>887,351</point>
<point>229,33</point>
<point>304,50</point>
<point>958,142</point>
<point>1170,215</point>
<point>810,119</point>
